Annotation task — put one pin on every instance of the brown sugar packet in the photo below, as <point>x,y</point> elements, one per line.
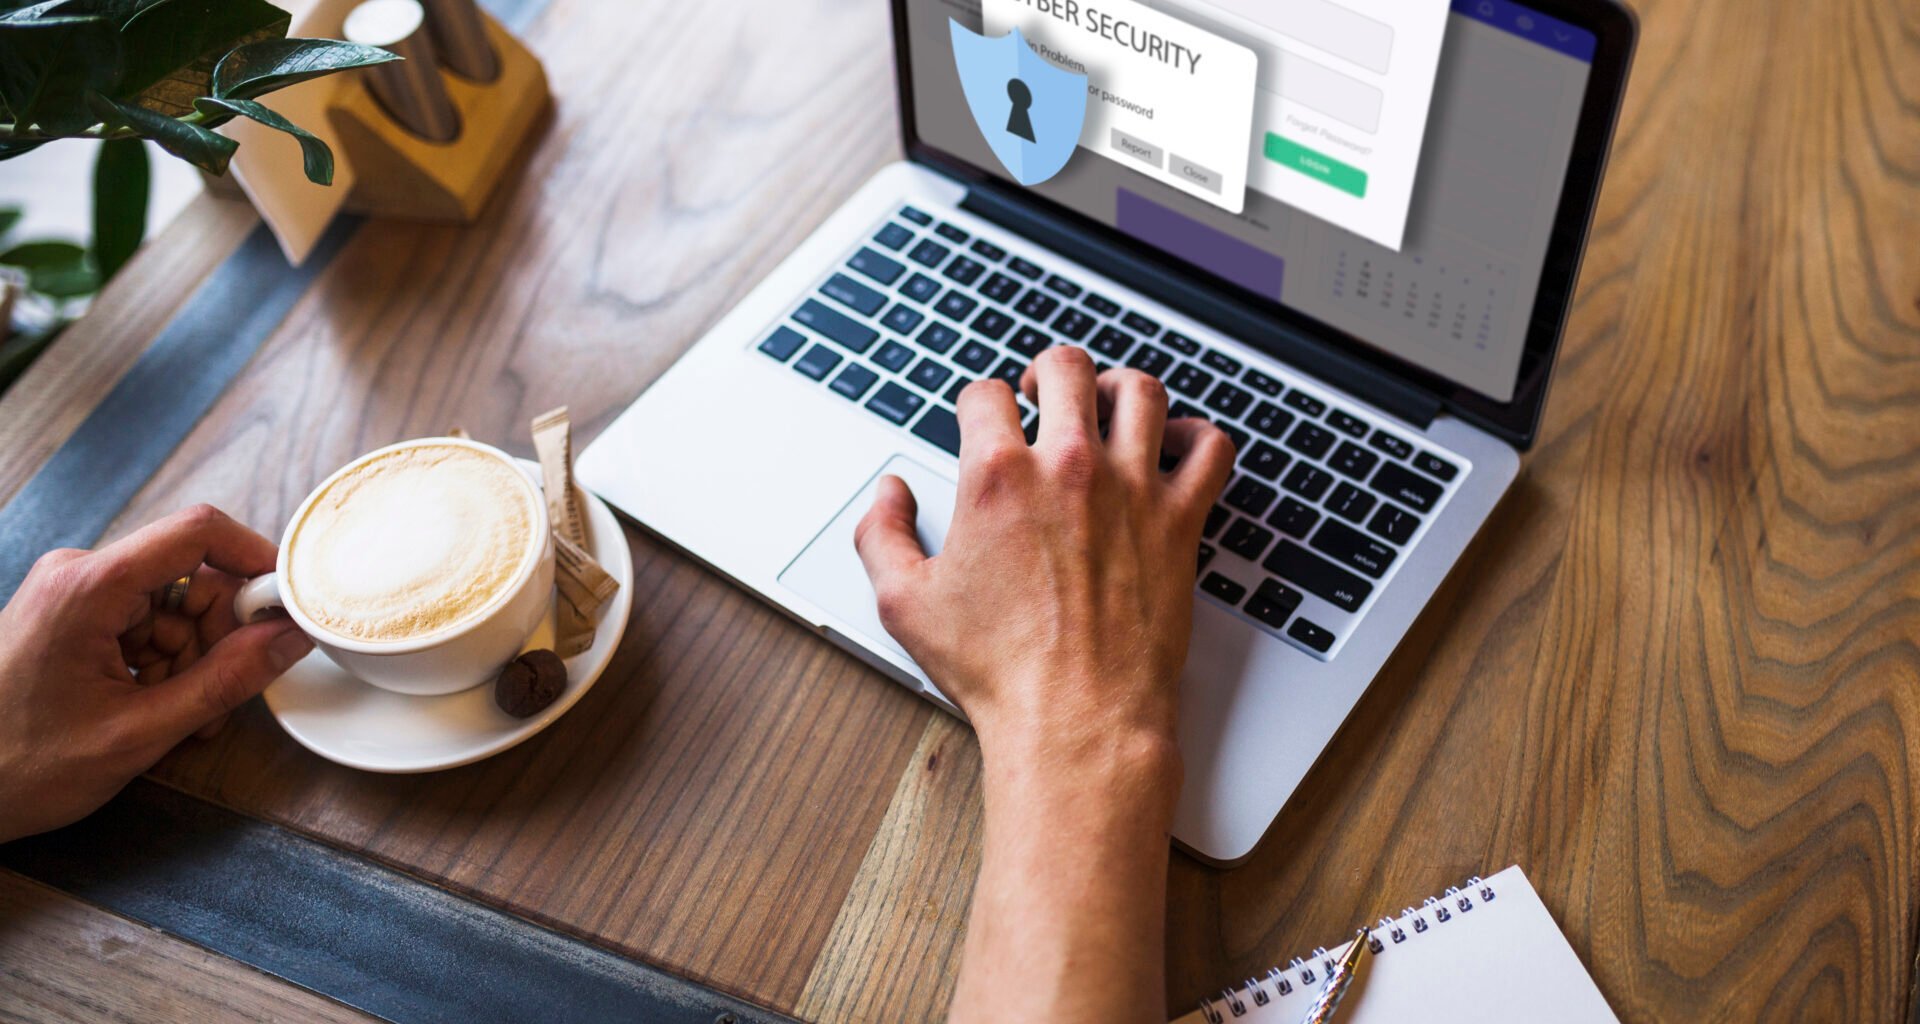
<point>553,440</point>
<point>584,586</point>
<point>580,578</point>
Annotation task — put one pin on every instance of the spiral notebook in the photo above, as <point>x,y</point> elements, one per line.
<point>1486,952</point>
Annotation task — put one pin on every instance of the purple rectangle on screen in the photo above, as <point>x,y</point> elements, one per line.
<point>1531,25</point>
<point>1210,249</point>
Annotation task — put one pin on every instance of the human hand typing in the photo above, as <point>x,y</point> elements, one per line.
<point>98,681</point>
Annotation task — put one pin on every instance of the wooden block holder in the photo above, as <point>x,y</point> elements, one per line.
<point>400,175</point>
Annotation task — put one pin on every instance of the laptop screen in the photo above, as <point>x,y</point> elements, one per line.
<point>1478,186</point>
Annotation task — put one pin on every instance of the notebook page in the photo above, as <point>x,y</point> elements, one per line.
<point>1503,960</point>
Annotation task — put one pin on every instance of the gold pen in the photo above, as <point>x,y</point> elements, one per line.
<point>1337,981</point>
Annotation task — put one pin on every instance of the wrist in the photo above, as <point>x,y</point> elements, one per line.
<point>1106,766</point>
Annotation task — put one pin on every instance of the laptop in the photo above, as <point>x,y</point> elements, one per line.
<point>1380,399</point>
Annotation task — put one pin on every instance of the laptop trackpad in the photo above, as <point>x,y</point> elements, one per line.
<point>829,573</point>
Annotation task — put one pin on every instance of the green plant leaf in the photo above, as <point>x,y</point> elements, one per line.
<point>43,255</point>
<point>49,64</point>
<point>259,68</point>
<point>189,142</point>
<point>313,152</point>
<point>58,269</point>
<point>9,216</point>
<point>120,191</point>
<point>172,47</point>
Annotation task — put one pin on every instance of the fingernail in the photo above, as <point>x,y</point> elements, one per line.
<point>287,648</point>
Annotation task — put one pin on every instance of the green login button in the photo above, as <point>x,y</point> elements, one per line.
<point>1315,164</point>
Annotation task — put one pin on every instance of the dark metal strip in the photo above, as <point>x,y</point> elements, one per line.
<point>371,938</point>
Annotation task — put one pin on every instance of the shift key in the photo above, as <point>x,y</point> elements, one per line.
<point>1318,577</point>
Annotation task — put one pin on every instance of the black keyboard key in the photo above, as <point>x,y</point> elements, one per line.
<point>1056,283</point>
<point>1140,325</point>
<point>1435,466</point>
<point>1028,342</point>
<point>902,319</point>
<point>1311,440</point>
<point>853,381</point>
<point>848,332</point>
<point>928,376</point>
<point>938,337</point>
<point>920,288</point>
<point>956,305</point>
<point>1394,446</point>
<point>1073,324</point>
<point>893,236</point>
<point>818,362</point>
<point>974,356</point>
<point>1024,269</point>
<point>1265,461</point>
<point>1190,380</point>
<point>1406,487</point>
<point>1350,546</point>
<point>1305,403</point>
<point>1262,383</point>
<point>1223,588</point>
<point>991,323</point>
<point>939,428</point>
<point>964,270</point>
<point>1316,637</point>
<point>1184,411</point>
<point>952,233</point>
<point>1294,518</point>
<point>1206,555</point>
<point>1229,401</point>
<point>1150,360</point>
<point>1111,342</point>
<point>917,216</point>
<point>1318,577</point>
<point>1236,435</point>
<point>1273,602</point>
<point>783,343</point>
<point>1351,503</point>
<point>988,251</point>
<point>1308,481</point>
<point>1220,363</point>
<point>1270,420</point>
<point>1217,517</point>
<point>1010,370</point>
<point>959,384</point>
<point>1000,288</point>
<point>876,266</point>
<point>895,404</point>
<point>1247,539</point>
<point>1251,496</point>
<point>928,253</point>
<point>1101,304</point>
<point>1037,305</point>
<point>893,356</point>
<point>1347,423</point>
<point>1353,460</point>
<point>853,295</point>
<point>1394,523</point>
<point>1180,343</point>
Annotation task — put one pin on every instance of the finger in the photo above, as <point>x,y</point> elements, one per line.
<point>228,676</point>
<point>1206,461</point>
<point>989,422</point>
<point>212,729</point>
<point>158,554</point>
<point>888,546</point>
<point>1063,388</point>
<point>1137,425</point>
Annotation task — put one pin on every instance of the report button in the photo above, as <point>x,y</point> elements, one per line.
<point>1315,164</point>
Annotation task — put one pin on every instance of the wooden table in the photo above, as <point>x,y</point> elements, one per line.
<point>1678,679</point>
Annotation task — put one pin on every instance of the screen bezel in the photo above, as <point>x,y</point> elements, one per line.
<point>1516,420</point>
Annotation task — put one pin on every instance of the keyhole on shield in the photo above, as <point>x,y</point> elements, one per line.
<point>1019,122</point>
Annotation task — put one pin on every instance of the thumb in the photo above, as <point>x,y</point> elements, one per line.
<point>885,539</point>
<point>227,676</point>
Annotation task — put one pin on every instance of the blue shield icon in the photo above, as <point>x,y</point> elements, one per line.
<point>1030,111</point>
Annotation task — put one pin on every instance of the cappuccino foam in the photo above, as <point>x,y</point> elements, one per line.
<point>412,542</point>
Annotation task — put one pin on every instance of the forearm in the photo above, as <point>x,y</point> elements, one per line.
<point>1069,913</point>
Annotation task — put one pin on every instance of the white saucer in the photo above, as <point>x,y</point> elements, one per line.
<point>343,719</point>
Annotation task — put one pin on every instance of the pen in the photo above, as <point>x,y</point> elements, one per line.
<point>1337,981</point>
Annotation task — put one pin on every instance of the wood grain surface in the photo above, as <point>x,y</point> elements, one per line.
<point>1677,680</point>
<point>65,961</point>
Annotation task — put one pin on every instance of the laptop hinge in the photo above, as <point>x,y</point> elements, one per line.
<point>1209,306</point>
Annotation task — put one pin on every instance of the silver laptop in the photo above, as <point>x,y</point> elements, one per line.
<point>1380,399</point>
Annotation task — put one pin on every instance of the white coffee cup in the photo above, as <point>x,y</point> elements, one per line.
<point>467,652</point>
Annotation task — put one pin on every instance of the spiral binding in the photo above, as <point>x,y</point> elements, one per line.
<point>1302,972</point>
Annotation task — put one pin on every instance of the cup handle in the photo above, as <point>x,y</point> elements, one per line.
<point>256,596</point>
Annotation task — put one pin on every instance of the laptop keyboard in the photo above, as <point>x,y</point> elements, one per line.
<point>1324,503</point>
